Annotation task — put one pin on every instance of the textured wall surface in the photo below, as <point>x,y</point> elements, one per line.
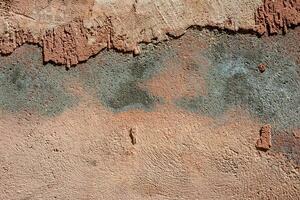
<point>211,114</point>
<point>72,31</point>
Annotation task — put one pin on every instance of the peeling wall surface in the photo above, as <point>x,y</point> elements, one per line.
<point>139,99</point>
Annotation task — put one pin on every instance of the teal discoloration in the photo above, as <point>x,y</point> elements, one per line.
<point>234,80</point>
<point>116,78</point>
<point>28,85</point>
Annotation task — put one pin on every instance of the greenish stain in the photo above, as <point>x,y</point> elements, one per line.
<point>29,85</point>
<point>130,94</point>
<point>234,80</point>
<point>116,77</point>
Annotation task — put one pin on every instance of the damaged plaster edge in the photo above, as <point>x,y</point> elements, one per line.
<point>75,41</point>
<point>69,48</point>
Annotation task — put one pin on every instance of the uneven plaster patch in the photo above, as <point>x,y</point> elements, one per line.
<point>72,32</point>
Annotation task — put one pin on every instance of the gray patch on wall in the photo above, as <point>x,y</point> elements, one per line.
<point>234,80</point>
<point>28,85</point>
<point>115,77</point>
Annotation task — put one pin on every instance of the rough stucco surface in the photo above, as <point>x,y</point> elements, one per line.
<point>208,115</point>
<point>72,31</point>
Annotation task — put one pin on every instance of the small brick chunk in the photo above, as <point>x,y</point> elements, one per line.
<point>264,142</point>
<point>262,67</point>
<point>132,135</point>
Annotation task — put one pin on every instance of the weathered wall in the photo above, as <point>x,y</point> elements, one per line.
<point>180,120</point>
